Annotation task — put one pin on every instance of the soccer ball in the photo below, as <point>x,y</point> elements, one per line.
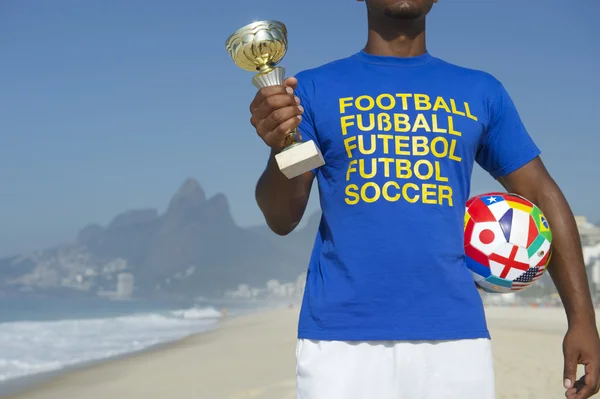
<point>507,242</point>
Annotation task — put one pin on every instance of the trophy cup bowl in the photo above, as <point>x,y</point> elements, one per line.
<point>259,47</point>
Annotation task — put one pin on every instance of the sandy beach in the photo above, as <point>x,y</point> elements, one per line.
<point>253,357</point>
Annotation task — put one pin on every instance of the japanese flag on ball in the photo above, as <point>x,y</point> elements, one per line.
<point>507,242</point>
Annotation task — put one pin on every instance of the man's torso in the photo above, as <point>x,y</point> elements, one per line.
<point>400,139</point>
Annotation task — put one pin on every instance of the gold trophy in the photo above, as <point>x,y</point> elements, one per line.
<point>260,46</point>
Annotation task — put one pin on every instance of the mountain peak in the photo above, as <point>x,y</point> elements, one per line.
<point>190,187</point>
<point>189,194</point>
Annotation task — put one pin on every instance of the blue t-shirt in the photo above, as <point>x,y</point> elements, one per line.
<point>400,137</point>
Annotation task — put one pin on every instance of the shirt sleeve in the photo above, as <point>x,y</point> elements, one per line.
<point>506,145</point>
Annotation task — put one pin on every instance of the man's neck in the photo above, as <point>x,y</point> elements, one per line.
<point>391,37</point>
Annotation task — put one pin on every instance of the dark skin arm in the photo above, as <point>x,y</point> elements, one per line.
<point>275,112</point>
<point>282,200</point>
<point>567,270</point>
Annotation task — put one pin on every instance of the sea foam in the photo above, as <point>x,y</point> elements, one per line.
<point>32,347</point>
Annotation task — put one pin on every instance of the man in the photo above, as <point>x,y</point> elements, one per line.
<point>390,309</point>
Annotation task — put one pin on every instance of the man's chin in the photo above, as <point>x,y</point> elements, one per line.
<point>403,10</point>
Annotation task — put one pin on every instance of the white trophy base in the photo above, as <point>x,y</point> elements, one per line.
<point>299,159</point>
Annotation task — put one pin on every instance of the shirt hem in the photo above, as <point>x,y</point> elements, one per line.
<point>394,335</point>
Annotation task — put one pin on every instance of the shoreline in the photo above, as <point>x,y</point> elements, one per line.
<point>252,356</point>
<point>21,385</point>
<point>103,373</point>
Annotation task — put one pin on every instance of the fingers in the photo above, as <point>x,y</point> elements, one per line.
<point>266,92</point>
<point>587,386</point>
<point>592,377</point>
<point>573,391</point>
<point>275,112</point>
<point>277,137</point>
<point>277,117</point>
<point>273,104</point>
<point>291,82</point>
<point>289,85</point>
<point>570,369</point>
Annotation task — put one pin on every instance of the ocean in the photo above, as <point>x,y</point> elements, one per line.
<point>41,336</point>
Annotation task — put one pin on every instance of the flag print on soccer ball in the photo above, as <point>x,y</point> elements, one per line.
<point>507,242</point>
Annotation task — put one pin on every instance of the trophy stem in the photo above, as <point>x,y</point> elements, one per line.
<point>273,76</point>
<point>266,68</point>
<point>291,139</point>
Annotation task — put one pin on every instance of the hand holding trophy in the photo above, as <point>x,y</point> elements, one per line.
<point>260,46</point>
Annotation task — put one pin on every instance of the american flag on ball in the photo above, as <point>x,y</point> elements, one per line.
<point>508,242</point>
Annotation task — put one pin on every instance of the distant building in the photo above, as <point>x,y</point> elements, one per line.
<point>498,300</point>
<point>114,266</point>
<point>590,234</point>
<point>300,284</point>
<point>273,290</point>
<point>243,292</point>
<point>287,290</point>
<point>273,286</point>
<point>590,240</point>
<point>591,256</point>
<point>124,285</point>
<point>594,267</point>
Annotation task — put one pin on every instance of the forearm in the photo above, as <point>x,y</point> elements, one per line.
<point>282,200</point>
<point>567,267</point>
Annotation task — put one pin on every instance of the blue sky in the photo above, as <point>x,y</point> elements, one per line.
<point>108,106</point>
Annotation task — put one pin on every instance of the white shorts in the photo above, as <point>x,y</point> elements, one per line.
<point>460,369</point>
